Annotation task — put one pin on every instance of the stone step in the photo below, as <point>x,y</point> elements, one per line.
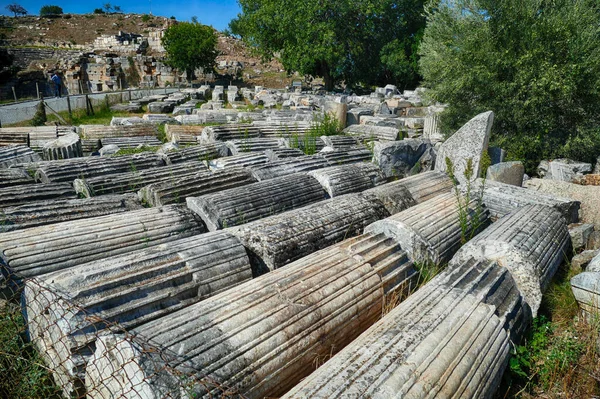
<point>130,290</point>
<point>263,337</point>
<point>58,210</point>
<point>349,178</point>
<point>14,155</point>
<point>39,250</point>
<point>288,166</point>
<point>255,201</point>
<point>23,194</point>
<point>14,177</point>
<point>134,181</point>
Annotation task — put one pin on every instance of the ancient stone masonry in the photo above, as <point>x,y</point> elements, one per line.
<point>134,181</point>
<point>39,250</point>
<point>52,211</point>
<point>240,146</point>
<point>14,136</point>
<point>22,194</point>
<point>278,168</point>
<point>349,178</point>
<point>14,177</point>
<point>14,155</point>
<point>132,142</point>
<point>203,153</point>
<point>83,168</point>
<point>402,194</point>
<point>274,154</point>
<point>433,230</point>
<point>373,133</point>
<point>450,339</point>
<point>131,290</point>
<point>258,200</point>
<point>229,132</point>
<point>501,199</point>
<point>64,147</point>
<point>245,160</point>
<point>200,183</point>
<point>183,134</point>
<point>102,131</point>
<point>347,155</point>
<point>340,142</point>
<point>531,242</point>
<point>263,337</point>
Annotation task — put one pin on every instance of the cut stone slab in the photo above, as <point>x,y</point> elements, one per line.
<point>66,310</point>
<point>200,183</point>
<point>161,107</point>
<point>14,177</point>
<point>402,194</point>
<point>303,311</point>
<point>64,147</point>
<point>506,172</point>
<point>353,115</point>
<point>583,259</point>
<point>284,167</point>
<point>452,338</point>
<point>531,242</point>
<point>242,160</point>
<point>373,133</point>
<point>130,107</point>
<point>580,233</point>
<point>40,250</point>
<point>255,201</point>
<point>14,155</point>
<point>52,211</point>
<point>566,169</point>
<point>586,289</point>
<point>501,199</point>
<point>347,155</point>
<point>398,158</point>
<point>469,142</point>
<point>350,178</point>
<point>134,181</point>
<point>23,194</point>
<point>432,231</point>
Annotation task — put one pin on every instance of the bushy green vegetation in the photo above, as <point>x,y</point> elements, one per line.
<point>535,63</point>
<point>50,10</point>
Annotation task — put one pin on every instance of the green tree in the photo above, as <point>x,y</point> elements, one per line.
<point>369,41</point>
<point>50,10</point>
<point>16,9</point>
<point>190,46</point>
<point>535,63</point>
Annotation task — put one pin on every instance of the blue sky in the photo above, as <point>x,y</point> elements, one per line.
<point>209,12</point>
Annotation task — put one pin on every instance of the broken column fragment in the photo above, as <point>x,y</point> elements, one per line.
<point>64,147</point>
<point>273,169</point>
<point>255,201</point>
<point>280,239</point>
<point>346,155</point>
<point>246,160</point>
<point>132,142</point>
<point>275,154</point>
<point>40,250</point>
<point>103,131</point>
<point>133,181</point>
<point>67,309</point>
<point>370,133</point>
<point>451,338</point>
<point>18,195</point>
<point>52,211</point>
<point>435,229</point>
<point>14,177</point>
<point>531,242</point>
<point>14,155</point>
<point>228,132</point>
<point>202,153</point>
<point>349,178</point>
<point>245,145</point>
<point>339,142</point>
<point>10,136</point>
<point>263,337</point>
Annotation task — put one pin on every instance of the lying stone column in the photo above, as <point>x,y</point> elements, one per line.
<point>14,155</point>
<point>64,147</point>
<point>244,145</point>
<point>263,337</point>
<point>347,155</point>
<point>10,136</point>
<point>17,195</point>
<point>273,169</point>
<point>228,132</point>
<point>200,183</point>
<point>132,142</point>
<point>340,142</point>
<point>39,250</point>
<point>245,160</point>
<point>402,194</point>
<point>531,242</point>
<point>69,170</point>
<point>435,229</point>
<point>255,201</point>
<point>14,177</point>
<point>350,178</point>
<point>586,289</point>
<point>202,153</point>
<point>133,181</point>
<point>130,289</point>
<point>450,339</point>
<point>501,199</point>
<point>275,154</point>
<point>277,240</point>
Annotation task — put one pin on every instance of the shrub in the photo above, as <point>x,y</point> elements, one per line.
<point>50,10</point>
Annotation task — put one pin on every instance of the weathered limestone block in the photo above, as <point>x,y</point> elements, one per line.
<point>450,339</point>
<point>431,128</point>
<point>130,107</point>
<point>586,289</point>
<point>14,177</point>
<point>78,168</point>
<point>402,194</point>
<point>10,136</point>
<point>203,153</point>
<point>531,242</point>
<point>354,114</point>
<point>89,146</point>
<point>64,147</point>
<point>14,155</point>
<point>22,194</point>
<point>583,259</point>
<point>398,158</point>
<point>229,132</point>
<point>58,210</point>
<point>580,233</point>
<point>40,250</point>
<point>130,290</point>
<point>183,134</point>
<point>242,160</point>
<point>102,131</point>
<point>132,142</point>
<point>273,169</point>
<point>159,107</point>
<point>469,142</point>
<point>566,169</point>
<point>200,183</point>
<point>501,199</point>
<point>433,230</point>
<point>263,337</point>
<point>350,178</point>
<point>346,155</point>
<point>336,142</point>
<point>237,147</point>
<point>277,240</point>
<point>255,201</point>
<point>129,182</point>
<point>373,133</point>
<point>286,129</point>
<point>506,172</point>
<point>275,154</point>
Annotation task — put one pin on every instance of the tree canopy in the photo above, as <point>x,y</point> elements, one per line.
<point>190,46</point>
<point>535,63</point>
<point>368,41</point>
<point>16,9</point>
<point>50,10</point>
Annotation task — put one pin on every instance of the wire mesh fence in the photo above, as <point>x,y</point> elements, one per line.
<point>51,347</point>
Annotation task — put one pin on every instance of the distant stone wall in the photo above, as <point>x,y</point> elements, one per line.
<point>25,56</point>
